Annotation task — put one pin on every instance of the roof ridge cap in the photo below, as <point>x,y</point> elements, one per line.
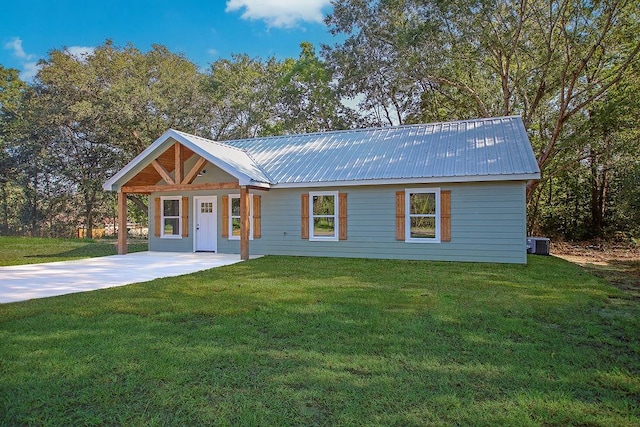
<point>213,141</point>
<point>379,128</point>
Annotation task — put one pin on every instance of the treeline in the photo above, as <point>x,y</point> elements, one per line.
<point>571,69</point>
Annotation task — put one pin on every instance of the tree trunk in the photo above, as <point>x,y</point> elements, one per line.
<point>34,207</point>
<point>89,204</point>
<point>5,213</point>
<point>139,203</point>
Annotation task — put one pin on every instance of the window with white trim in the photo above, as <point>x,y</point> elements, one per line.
<point>422,215</point>
<point>235,219</point>
<point>171,220</point>
<point>323,215</point>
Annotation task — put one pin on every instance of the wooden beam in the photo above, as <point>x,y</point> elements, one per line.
<point>255,187</point>
<point>178,163</point>
<point>122,223</point>
<point>244,223</point>
<point>163,172</point>
<point>195,170</point>
<point>148,189</point>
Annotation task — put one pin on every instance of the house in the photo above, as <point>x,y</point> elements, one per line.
<point>443,191</point>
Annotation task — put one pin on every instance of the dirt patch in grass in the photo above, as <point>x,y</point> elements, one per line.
<point>617,263</point>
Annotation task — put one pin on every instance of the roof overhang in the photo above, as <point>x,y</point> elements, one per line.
<point>412,181</point>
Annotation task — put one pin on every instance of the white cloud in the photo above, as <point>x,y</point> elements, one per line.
<point>16,46</point>
<point>80,53</point>
<point>29,71</point>
<point>280,13</point>
<point>29,67</point>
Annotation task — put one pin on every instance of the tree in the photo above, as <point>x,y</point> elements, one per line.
<point>242,96</point>
<point>549,61</point>
<point>601,187</point>
<point>250,97</point>
<point>95,112</point>
<point>308,100</point>
<point>11,95</point>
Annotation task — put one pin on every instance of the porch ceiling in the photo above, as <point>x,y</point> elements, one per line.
<point>150,176</point>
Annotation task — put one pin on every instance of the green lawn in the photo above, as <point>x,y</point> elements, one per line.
<point>303,341</point>
<point>33,250</point>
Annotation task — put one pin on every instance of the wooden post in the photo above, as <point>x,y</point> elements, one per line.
<point>244,223</point>
<point>122,223</point>
<point>177,163</point>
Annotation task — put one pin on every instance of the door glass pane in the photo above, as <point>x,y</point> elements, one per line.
<point>323,205</point>
<point>206,207</point>
<point>423,228</point>
<point>171,207</point>
<point>423,203</point>
<point>324,227</point>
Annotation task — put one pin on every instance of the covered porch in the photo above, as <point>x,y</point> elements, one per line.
<point>183,164</point>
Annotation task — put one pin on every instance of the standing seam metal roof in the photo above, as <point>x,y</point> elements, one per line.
<point>482,147</point>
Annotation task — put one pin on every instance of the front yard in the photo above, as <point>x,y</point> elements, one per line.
<point>34,250</point>
<point>304,341</point>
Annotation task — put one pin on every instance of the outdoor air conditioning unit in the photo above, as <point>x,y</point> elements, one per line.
<point>538,245</point>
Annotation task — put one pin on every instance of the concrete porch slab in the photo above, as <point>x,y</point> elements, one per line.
<point>24,282</point>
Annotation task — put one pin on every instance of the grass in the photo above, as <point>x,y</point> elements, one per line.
<point>34,250</point>
<point>304,341</point>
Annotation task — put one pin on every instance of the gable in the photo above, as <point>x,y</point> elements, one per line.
<point>149,175</point>
<point>168,157</point>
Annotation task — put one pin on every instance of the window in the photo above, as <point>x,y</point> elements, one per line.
<point>234,217</point>
<point>423,215</point>
<point>323,209</point>
<point>171,221</point>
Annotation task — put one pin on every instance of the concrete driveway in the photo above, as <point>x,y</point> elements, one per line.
<point>23,282</point>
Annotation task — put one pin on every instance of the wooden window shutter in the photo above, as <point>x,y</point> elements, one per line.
<point>305,216</point>
<point>225,216</point>
<point>400,220</point>
<point>256,216</point>
<point>156,216</point>
<point>445,215</point>
<point>342,216</point>
<point>185,217</point>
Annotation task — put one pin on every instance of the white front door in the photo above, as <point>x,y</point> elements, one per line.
<point>206,224</point>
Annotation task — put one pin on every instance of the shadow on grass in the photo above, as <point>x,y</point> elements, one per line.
<point>624,274</point>
<point>90,250</point>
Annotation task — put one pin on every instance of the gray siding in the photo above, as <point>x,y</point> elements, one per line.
<point>488,223</point>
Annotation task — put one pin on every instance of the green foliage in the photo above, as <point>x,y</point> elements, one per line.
<point>11,95</point>
<point>569,68</point>
<point>302,341</point>
<point>597,195</point>
<point>563,66</point>
<point>85,117</point>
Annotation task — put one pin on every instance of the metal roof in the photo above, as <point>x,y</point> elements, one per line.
<point>470,150</point>
<point>493,148</point>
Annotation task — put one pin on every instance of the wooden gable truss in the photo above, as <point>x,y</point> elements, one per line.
<point>167,172</point>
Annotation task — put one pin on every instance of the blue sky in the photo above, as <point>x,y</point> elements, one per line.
<point>203,31</point>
